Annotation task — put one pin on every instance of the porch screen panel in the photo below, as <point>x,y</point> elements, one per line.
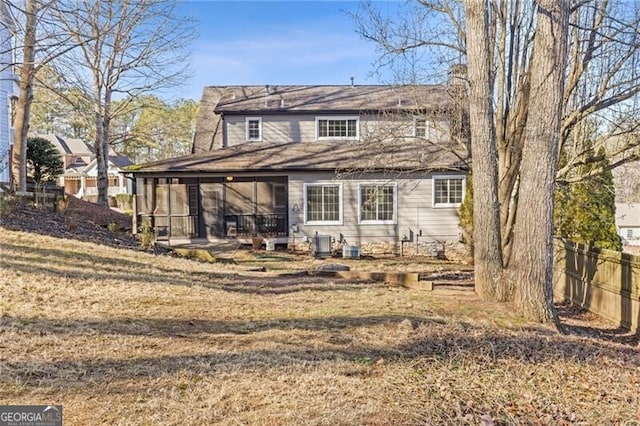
<point>181,223</point>
<point>161,212</point>
<point>179,200</point>
<point>264,194</point>
<point>239,197</point>
<point>162,199</point>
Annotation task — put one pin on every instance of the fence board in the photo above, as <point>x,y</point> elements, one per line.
<point>602,281</point>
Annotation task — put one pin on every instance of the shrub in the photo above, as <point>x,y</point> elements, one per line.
<point>43,160</point>
<point>124,201</point>
<point>146,236</point>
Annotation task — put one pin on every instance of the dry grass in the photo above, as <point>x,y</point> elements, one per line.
<point>125,337</point>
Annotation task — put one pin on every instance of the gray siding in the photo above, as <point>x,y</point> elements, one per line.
<point>302,128</point>
<point>415,212</point>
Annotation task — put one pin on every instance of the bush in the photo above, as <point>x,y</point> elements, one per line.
<point>124,201</point>
<point>146,236</point>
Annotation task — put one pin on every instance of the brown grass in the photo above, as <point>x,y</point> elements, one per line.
<point>124,337</point>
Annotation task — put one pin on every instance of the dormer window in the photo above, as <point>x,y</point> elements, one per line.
<point>420,127</point>
<point>431,130</point>
<point>337,127</point>
<point>254,128</point>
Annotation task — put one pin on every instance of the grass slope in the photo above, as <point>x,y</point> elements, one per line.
<point>122,337</point>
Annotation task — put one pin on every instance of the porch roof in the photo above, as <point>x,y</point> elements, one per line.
<point>314,156</point>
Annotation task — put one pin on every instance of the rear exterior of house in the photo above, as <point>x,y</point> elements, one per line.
<point>367,166</point>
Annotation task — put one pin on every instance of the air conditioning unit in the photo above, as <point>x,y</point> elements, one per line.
<point>321,246</point>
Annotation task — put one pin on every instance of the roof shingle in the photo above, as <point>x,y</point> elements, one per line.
<point>310,156</point>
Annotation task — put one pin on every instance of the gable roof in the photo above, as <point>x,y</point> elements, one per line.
<point>337,99</point>
<point>113,161</point>
<point>66,146</point>
<point>311,156</point>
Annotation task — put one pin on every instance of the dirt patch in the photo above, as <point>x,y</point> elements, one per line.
<point>77,220</point>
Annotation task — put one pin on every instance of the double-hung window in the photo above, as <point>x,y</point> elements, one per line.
<point>337,128</point>
<point>448,191</point>
<point>254,128</point>
<point>377,203</point>
<point>323,203</point>
<point>420,128</point>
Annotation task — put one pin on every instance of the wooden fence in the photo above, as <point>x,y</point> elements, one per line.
<point>43,195</point>
<point>605,282</point>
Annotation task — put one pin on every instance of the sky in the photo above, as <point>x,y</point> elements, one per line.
<point>277,42</point>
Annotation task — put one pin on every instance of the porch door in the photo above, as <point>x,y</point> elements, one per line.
<point>211,198</point>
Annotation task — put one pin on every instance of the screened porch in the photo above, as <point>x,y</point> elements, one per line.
<point>213,207</point>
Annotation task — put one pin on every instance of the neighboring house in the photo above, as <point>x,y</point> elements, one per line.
<point>628,222</point>
<point>8,90</point>
<point>80,171</point>
<point>368,166</point>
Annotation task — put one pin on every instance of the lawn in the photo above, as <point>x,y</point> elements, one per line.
<point>122,337</point>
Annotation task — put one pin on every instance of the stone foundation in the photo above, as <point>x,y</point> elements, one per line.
<point>452,250</point>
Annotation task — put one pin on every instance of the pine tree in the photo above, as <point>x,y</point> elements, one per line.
<point>466,214</point>
<point>585,211</point>
<point>43,161</point>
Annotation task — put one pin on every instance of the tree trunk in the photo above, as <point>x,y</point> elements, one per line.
<point>102,151</point>
<point>486,217</point>
<point>532,262</point>
<point>25,96</point>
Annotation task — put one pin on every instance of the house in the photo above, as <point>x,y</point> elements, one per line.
<point>80,168</point>
<point>378,167</point>
<point>628,223</point>
<point>8,90</point>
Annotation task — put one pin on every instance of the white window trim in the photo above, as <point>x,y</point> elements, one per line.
<point>415,127</point>
<point>246,128</point>
<point>433,190</point>
<point>340,204</point>
<point>338,117</point>
<point>395,204</point>
<point>273,194</point>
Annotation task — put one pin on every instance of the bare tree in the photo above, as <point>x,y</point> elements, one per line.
<point>25,96</point>
<point>134,47</point>
<point>42,41</point>
<point>531,272</point>
<point>602,83</point>
<point>486,235</point>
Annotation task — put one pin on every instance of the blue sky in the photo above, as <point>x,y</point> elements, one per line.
<point>277,42</point>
